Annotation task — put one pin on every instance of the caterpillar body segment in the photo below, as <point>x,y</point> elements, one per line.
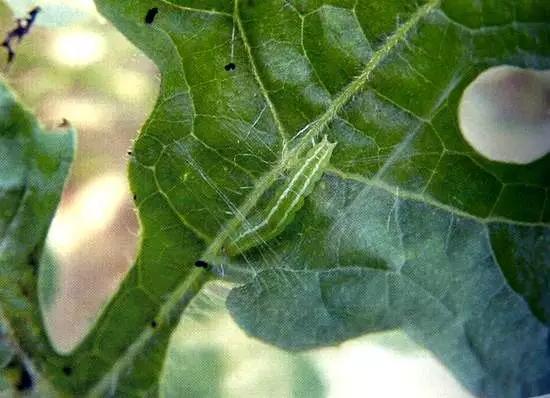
<point>266,223</point>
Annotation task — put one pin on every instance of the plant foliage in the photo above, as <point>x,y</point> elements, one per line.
<point>406,226</point>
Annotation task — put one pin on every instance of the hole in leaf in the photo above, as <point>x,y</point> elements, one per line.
<point>154,324</point>
<point>67,370</point>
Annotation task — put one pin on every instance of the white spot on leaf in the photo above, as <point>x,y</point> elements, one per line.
<point>504,114</point>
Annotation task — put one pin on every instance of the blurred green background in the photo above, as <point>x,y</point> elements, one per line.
<point>74,65</point>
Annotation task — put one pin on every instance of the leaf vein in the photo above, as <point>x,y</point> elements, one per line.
<point>197,10</point>
<point>237,19</point>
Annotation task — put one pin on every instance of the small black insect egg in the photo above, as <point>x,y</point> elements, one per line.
<point>201,264</point>
<point>151,14</point>
<point>230,67</point>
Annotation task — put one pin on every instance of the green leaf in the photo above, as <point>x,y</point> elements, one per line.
<point>408,228</point>
<point>33,168</point>
<point>434,278</point>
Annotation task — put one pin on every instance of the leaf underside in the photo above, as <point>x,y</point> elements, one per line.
<point>408,228</point>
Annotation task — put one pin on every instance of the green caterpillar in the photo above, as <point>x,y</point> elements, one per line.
<point>266,223</point>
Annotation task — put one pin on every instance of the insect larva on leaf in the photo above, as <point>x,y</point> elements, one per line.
<point>268,222</point>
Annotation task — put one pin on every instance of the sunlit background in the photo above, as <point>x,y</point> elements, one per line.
<point>74,65</point>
